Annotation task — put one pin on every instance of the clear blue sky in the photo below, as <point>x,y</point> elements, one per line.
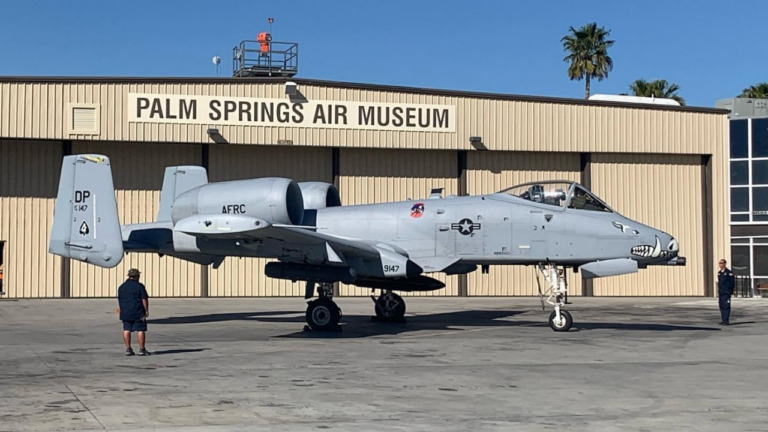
<point>712,49</point>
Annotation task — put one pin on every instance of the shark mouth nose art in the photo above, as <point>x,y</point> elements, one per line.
<point>673,245</point>
<point>647,251</point>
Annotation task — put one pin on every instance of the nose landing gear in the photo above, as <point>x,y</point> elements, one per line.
<point>560,320</point>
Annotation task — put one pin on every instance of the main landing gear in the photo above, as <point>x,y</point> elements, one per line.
<point>389,307</point>
<point>560,320</point>
<point>322,313</point>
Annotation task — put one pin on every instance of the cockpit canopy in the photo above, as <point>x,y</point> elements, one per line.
<point>560,193</point>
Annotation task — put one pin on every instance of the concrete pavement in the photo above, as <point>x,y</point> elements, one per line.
<point>456,364</point>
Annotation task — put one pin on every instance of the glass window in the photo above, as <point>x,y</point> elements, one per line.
<point>759,198</point>
<point>739,139</point>
<point>761,260</point>
<point>760,137</point>
<point>740,173</point>
<point>583,200</point>
<point>739,218</point>
<point>544,193</point>
<point>760,218</point>
<point>739,240</point>
<point>759,172</point>
<point>739,199</point>
<point>760,239</point>
<point>740,260</point>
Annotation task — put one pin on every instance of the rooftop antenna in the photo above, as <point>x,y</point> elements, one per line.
<point>270,20</point>
<point>216,60</point>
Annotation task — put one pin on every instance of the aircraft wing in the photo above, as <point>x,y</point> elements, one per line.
<point>302,244</point>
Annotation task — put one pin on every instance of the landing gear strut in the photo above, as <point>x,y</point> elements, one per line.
<point>560,320</point>
<point>389,307</point>
<point>322,313</point>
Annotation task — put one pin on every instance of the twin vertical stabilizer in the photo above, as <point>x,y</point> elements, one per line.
<point>85,223</point>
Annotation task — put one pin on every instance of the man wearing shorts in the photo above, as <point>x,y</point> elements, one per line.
<point>134,309</point>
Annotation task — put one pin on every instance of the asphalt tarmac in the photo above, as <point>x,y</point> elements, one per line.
<point>457,364</point>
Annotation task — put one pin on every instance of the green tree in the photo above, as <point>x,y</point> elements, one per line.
<point>587,50</point>
<point>656,88</point>
<point>757,91</point>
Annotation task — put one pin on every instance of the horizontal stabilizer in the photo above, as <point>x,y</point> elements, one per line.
<point>613,267</point>
<point>216,260</point>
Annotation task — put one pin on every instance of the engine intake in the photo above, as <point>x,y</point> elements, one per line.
<point>319,195</point>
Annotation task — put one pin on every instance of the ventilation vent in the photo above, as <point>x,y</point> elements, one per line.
<point>84,119</point>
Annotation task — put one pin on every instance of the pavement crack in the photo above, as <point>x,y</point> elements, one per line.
<point>70,391</point>
<point>86,407</point>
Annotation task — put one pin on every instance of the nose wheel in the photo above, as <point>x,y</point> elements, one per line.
<point>562,323</point>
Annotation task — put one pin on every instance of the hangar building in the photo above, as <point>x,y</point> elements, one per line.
<point>662,165</point>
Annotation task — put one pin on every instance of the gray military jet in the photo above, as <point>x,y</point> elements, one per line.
<point>388,247</point>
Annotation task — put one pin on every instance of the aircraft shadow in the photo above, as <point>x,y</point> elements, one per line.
<point>230,316</point>
<point>361,326</point>
<point>579,326</point>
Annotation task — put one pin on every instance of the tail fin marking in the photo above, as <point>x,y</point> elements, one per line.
<point>85,224</point>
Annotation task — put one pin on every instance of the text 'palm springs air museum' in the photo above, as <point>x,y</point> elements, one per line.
<point>665,166</point>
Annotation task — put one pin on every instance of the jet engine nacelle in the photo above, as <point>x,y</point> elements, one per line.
<point>319,195</point>
<point>277,200</point>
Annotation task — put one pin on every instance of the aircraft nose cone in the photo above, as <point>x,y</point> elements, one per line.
<point>673,245</point>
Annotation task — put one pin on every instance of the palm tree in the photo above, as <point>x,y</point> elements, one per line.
<point>656,88</point>
<point>757,91</point>
<point>587,50</point>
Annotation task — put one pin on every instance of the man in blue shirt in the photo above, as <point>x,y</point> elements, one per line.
<point>134,310</point>
<point>725,285</point>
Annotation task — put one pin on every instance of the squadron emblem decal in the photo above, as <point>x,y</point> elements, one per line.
<point>465,226</point>
<point>417,210</point>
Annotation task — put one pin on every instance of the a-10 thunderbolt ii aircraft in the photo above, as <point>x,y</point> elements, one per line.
<point>388,246</point>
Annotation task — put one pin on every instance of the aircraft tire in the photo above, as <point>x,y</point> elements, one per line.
<point>396,314</point>
<point>323,315</point>
<point>565,325</point>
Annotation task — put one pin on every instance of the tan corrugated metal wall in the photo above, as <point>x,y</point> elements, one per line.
<point>41,110</point>
<point>665,192</point>
<point>245,276</point>
<point>372,176</point>
<point>29,178</point>
<point>137,171</point>
<point>490,172</point>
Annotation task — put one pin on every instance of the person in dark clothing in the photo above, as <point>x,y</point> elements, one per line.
<point>134,310</point>
<point>725,285</point>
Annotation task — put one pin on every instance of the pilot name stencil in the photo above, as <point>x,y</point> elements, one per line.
<point>465,226</point>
